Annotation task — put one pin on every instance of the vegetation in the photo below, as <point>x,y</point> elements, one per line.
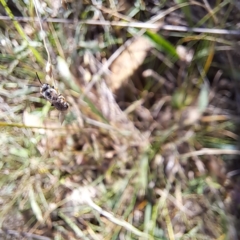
<point>148,148</point>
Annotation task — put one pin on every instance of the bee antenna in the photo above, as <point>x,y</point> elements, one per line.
<point>38,78</point>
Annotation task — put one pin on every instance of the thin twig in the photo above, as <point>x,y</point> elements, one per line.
<point>83,196</point>
<point>44,35</point>
<point>117,221</point>
<point>49,62</point>
<point>200,30</point>
<point>146,25</point>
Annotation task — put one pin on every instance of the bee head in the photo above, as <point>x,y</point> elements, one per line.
<point>45,87</point>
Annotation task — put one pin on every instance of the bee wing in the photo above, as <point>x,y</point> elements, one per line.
<point>61,117</point>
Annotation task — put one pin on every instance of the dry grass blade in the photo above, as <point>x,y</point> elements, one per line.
<point>211,151</point>
<point>148,145</point>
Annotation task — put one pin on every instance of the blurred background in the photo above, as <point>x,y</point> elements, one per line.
<point>148,148</point>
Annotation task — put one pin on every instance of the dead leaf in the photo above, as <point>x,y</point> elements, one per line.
<point>128,62</point>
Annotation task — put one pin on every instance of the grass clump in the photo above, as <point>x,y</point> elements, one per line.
<point>146,150</point>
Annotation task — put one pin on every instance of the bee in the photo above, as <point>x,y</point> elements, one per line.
<point>52,95</point>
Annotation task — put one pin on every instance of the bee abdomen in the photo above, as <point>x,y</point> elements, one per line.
<point>61,104</point>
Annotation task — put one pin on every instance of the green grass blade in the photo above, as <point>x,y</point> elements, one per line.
<point>162,44</point>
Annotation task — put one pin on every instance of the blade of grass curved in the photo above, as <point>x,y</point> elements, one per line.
<point>162,44</point>
<point>215,10</point>
<point>210,57</point>
<point>186,11</point>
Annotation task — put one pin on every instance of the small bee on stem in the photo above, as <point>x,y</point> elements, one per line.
<point>51,95</point>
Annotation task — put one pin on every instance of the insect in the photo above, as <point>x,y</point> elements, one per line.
<point>51,94</point>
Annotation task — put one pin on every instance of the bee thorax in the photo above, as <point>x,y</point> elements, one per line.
<point>49,93</point>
